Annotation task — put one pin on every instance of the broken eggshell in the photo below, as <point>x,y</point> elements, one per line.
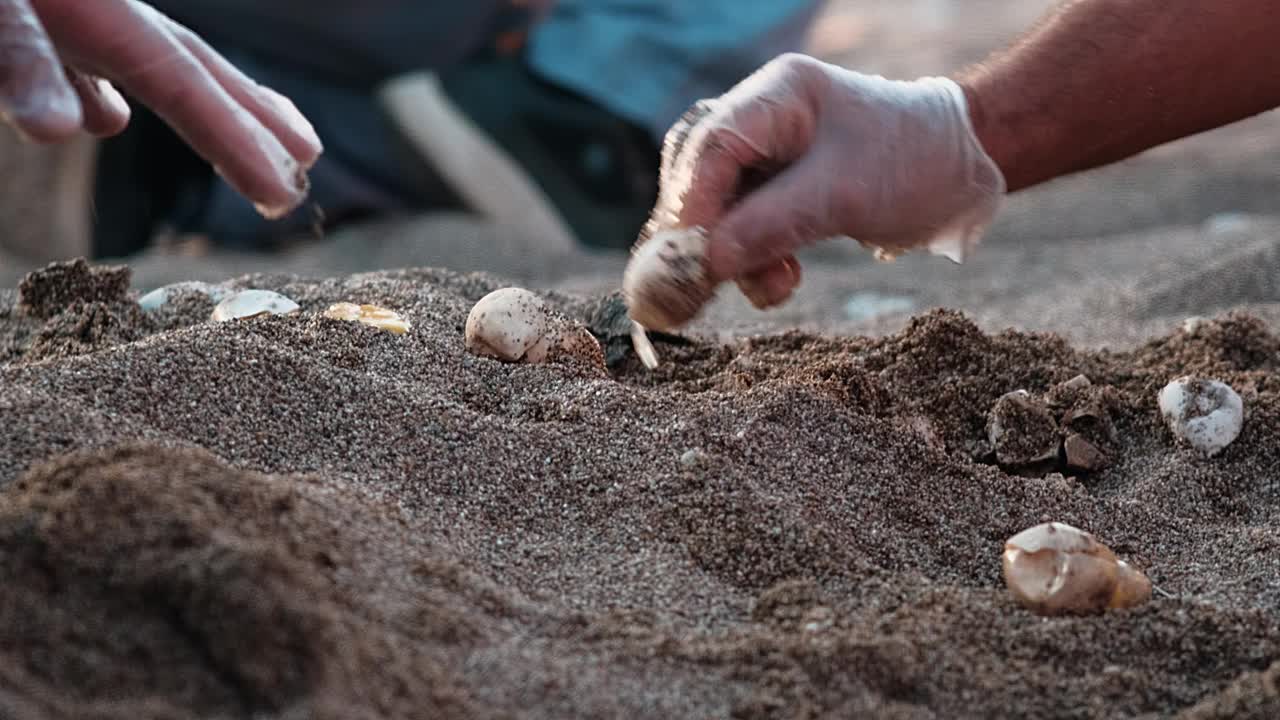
<point>515,325</point>
<point>1083,455</point>
<point>371,315</point>
<point>252,303</point>
<point>576,341</point>
<point>1205,414</point>
<point>666,283</point>
<point>1057,569</point>
<point>643,347</point>
<point>1021,430</point>
<point>162,296</point>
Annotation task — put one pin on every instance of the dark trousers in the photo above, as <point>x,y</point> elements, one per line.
<point>327,56</point>
<point>354,42</point>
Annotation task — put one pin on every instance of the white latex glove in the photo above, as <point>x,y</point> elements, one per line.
<point>803,150</point>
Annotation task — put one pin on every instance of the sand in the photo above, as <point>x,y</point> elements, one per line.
<point>799,515</point>
<point>296,517</point>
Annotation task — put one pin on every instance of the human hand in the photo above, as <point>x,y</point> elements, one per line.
<point>802,151</point>
<point>58,59</point>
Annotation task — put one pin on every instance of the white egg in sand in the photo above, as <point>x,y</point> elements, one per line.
<point>515,325</point>
<point>1205,414</point>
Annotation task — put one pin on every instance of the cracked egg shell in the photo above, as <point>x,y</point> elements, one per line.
<point>1057,569</point>
<point>572,340</point>
<point>1205,414</point>
<point>666,283</point>
<point>1082,454</point>
<point>252,303</point>
<point>1021,430</point>
<point>161,296</point>
<point>515,325</point>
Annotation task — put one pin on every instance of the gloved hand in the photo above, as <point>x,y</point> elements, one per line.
<point>56,57</point>
<point>802,151</point>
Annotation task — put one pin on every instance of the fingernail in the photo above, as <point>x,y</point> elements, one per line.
<point>112,96</point>
<point>298,123</point>
<point>793,267</point>
<point>290,177</point>
<point>301,186</point>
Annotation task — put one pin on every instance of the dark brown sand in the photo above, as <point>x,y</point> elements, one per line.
<point>294,517</point>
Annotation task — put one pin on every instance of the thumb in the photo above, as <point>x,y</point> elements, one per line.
<point>35,96</point>
<point>788,212</point>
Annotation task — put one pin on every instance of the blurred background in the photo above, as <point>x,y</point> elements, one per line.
<point>464,139</point>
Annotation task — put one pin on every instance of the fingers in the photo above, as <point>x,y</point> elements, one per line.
<point>35,96</point>
<point>760,126</point>
<point>134,45</point>
<point>773,285</point>
<point>790,211</point>
<point>705,177</point>
<point>104,109</point>
<point>276,112</point>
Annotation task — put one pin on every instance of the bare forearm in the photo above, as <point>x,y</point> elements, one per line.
<point>1101,80</point>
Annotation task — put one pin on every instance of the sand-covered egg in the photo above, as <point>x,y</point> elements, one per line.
<point>1205,414</point>
<point>372,315</point>
<point>252,303</point>
<point>1057,569</point>
<point>666,283</point>
<point>515,325</point>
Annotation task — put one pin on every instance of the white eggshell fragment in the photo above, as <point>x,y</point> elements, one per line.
<point>1205,414</point>
<point>644,348</point>
<point>1056,569</point>
<point>252,303</point>
<point>372,315</point>
<point>161,296</point>
<point>515,325</point>
<point>666,282</point>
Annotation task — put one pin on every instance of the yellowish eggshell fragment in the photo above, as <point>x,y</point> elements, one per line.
<point>1057,569</point>
<point>372,315</point>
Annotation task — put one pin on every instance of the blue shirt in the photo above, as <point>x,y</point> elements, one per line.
<point>649,60</point>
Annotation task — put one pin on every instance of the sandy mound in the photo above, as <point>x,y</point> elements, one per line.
<point>298,517</point>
